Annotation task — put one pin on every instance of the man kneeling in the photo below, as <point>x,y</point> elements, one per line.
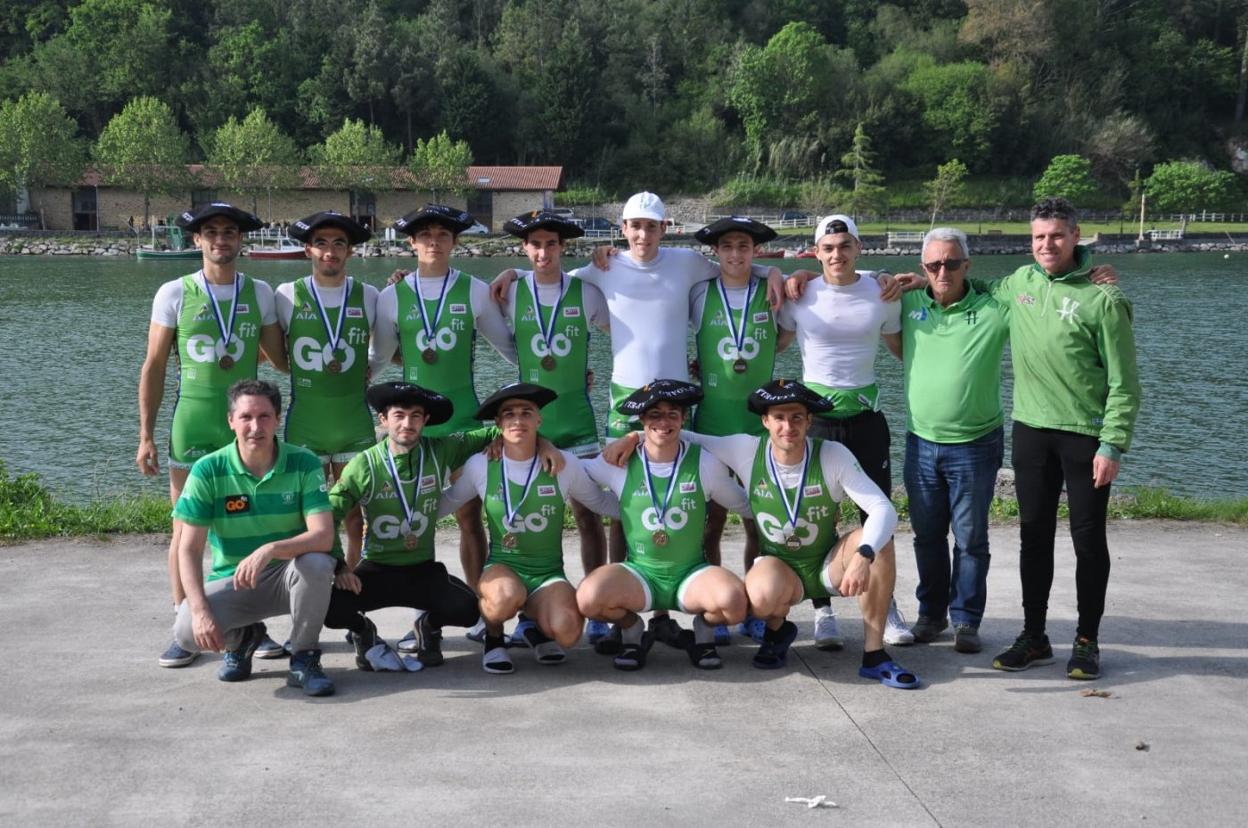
<point>663,491</point>
<point>261,506</point>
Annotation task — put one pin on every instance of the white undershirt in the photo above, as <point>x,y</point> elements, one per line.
<point>331,297</point>
<point>573,485</point>
<point>717,484</point>
<point>736,298</point>
<point>167,305</point>
<point>548,294</point>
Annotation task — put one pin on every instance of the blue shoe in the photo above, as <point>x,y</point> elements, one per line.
<point>268,648</point>
<point>236,664</point>
<point>305,672</point>
<point>520,635</point>
<point>595,631</point>
<point>752,627</point>
<point>722,637</point>
<point>175,656</point>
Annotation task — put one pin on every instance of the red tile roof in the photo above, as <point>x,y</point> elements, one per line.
<point>392,178</point>
<point>515,178</point>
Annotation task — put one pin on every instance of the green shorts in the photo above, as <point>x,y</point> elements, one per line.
<point>620,424</point>
<point>199,427</point>
<point>335,429</point>
<point>533,579</point>
<point>665,591</point>
<point>813,573</point>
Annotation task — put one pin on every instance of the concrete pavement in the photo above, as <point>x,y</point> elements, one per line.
<point>92,731</point>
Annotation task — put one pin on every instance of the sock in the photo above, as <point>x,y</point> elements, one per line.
<point>632,635</point>
<point>775,635</point>
<point>819,603</point>
<point>493,642</point>
<point>703,633</point>
<point>874,658</point>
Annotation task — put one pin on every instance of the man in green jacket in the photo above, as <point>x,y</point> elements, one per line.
<point>1076,397</point>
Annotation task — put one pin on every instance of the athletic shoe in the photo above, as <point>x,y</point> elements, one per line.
<point>519,636</point>
<point>306,673</point>
<point>774,651</point>
<point>755,628</point>
<point>826,635</point>
<point>175,656</point>
<point>595,631</point>
<point>723,638</point>
<point>1085,660</point>
<point>1026,651</point>
<point>896,631</point>
<point>610,643</point>
<point>966,639</point>
<point>364,642</point>
<point>269,648</point>
<point>427,640</point>
<point>407,644</point>
<point>236,663</point>
<point>927,628</point>
<point>666,629</point>
<point>494,657</point>
<point>477,632</point>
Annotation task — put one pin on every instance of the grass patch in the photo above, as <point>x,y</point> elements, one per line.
<point>29,511</point>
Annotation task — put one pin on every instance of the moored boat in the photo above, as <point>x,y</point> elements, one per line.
<point>286,248</point>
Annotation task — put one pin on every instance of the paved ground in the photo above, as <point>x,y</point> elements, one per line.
<point>92,731</point>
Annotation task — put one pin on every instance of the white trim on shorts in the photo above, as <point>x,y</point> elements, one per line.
<point>684,585</point>
<point>645,586</point>
<point>342,457</point>
<point>174,464</point>
<point>823,570</point>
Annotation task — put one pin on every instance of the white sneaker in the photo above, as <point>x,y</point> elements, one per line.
<point>477,631</point>
<point>896,630</point>
<point>826,635</point>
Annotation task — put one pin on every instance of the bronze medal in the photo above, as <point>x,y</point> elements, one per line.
<point>334,366</point>
<point>792,543</point>
<point>739,365</point>
<point>510,541</point>
<point>429,355</point>
<point>411,541</point>
<point>660,538</point>
<point>548,362</point>
<point>226,362</point>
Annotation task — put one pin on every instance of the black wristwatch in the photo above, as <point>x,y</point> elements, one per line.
<point>867,552</point>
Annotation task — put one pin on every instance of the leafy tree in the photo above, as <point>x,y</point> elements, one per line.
<point>254,156</point>
<point>865,192</point>
<point>1188,186</point>
<point>567,100</point>
<point>143,149</point>
<point>946,187</point>
<point>352,157</point>
<point>1119,145</point>
<point>38,145</point>
<point>958,112</point>
<point>441,164</point>
<point>1067,176</point>
<point>367,78</point>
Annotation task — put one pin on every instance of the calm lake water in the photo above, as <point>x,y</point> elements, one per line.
<point>73,332</point>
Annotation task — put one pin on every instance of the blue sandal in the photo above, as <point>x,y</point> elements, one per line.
<point>891,674</point>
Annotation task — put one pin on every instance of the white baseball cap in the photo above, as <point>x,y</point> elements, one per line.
<point>644,206</point>
<point>828,224</point>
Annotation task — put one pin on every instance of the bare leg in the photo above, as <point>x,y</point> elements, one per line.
<point>618,550</point>
<point>593,537</point>
<point>879,594</point>
<point>773,588</point>
<point>502,596</point>
<point>177,479</point>
<point>713,531</point>
<point>554,609</point>
<point>717,595</point>
<point>471,541</point>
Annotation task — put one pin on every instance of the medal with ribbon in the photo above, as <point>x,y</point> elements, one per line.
<point>410,538</point>
<point>333,333</point>
<point>429,354</point>
<point>226,329</point>
<point>791,541</point>
<point>660,537</point>
<point>510,541</point>
<point>547,329</point>
<point>738,332</point>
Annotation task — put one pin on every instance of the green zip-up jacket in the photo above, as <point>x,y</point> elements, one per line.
<point>1073,353</point>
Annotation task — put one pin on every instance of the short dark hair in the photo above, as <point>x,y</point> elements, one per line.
<point>254,388</point>
<point>432,222</point>
<point>1055,208</point>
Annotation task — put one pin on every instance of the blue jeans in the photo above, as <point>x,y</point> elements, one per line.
<point>951,485</point>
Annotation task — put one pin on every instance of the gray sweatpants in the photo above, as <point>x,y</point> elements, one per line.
<point>299,588</point>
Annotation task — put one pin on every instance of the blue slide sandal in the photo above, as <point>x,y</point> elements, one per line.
<point>891,674</point>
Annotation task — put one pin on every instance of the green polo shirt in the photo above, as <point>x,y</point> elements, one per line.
<point>243,512</point>
<point>952,359</point>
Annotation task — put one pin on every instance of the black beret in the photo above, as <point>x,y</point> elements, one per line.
<point>382,395</point>
<point>756,230</point>
<point>302,229</point>
<point>525,223</point>
<point>453,219</point>
<point>536,394</point>
<point>785,392</point>
<point>671,391</point>
<point>192,220</point>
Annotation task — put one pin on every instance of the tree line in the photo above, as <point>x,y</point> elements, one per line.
<point>835,97</point>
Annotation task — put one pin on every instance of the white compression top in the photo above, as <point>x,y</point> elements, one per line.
<point>573,484</point>
<point>487,315</point>
<point>841,473</point>
<point>736,298</point>
<point>167,305</point>
<point>331,297</point>
<point>838,330</point>
<point>716,482</point>
<point>595,305</point>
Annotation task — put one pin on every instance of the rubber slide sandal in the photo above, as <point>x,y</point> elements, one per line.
<point>890,674</point>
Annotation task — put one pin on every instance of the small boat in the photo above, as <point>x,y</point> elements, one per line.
<point>286,248</point>
<point>173,245</point>
<point>808,253</point>
<point>769,253</point>
<point>150,253</point>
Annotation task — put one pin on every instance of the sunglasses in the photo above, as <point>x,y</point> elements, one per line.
<point>948,264</point>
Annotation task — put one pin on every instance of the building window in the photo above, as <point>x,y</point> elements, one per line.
<point>85,217</point>
<point>364,208</point>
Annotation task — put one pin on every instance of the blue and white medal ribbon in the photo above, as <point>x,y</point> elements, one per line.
<point>510,541</point>
<point>333,334</point>
<point>791,540</point>
<point>430,354</point>
<point>547,329</point>
<point>738,332</point>
<point>410,538</point>
<point>660,535</point>
<point>222,348</point>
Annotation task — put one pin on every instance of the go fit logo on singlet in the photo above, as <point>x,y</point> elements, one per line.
<point>311,354</point>
<point>206,348</point>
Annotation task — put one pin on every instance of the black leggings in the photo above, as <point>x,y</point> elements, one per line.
<point>1044,458</point>
<point>866,436</point>
<point>424,586</point>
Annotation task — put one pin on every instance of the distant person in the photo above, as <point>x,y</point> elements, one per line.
<point>260,505</point>
<point>217,321</point>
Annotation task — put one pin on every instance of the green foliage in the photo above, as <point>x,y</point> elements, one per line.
<point>1188,186</point>
<point>353,157</point>
<point>946,187</point>
<point>756,191</point>
<point>583,194</point>
<point>959,115</point>
<point>143,149</point>
<point>254,155</point>
<point>1069,177</point>
<point>865,192</point>
<point>28,510</point>
<point>440,163</point>
<point>39,143</point>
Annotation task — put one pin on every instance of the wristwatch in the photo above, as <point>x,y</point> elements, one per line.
<point>867,552</point>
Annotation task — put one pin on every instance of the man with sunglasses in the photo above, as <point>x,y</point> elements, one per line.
<point>952,337</point>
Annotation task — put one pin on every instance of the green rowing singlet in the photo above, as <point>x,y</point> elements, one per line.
<point>453,340</point>
<point>723,411</point>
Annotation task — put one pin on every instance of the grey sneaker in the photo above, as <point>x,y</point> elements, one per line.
<point>896,631</point>
<point>966,639</point>
<point>269,648</point>
<point>175,656</point>
<point>927,628</point>
<point>827,637</point>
